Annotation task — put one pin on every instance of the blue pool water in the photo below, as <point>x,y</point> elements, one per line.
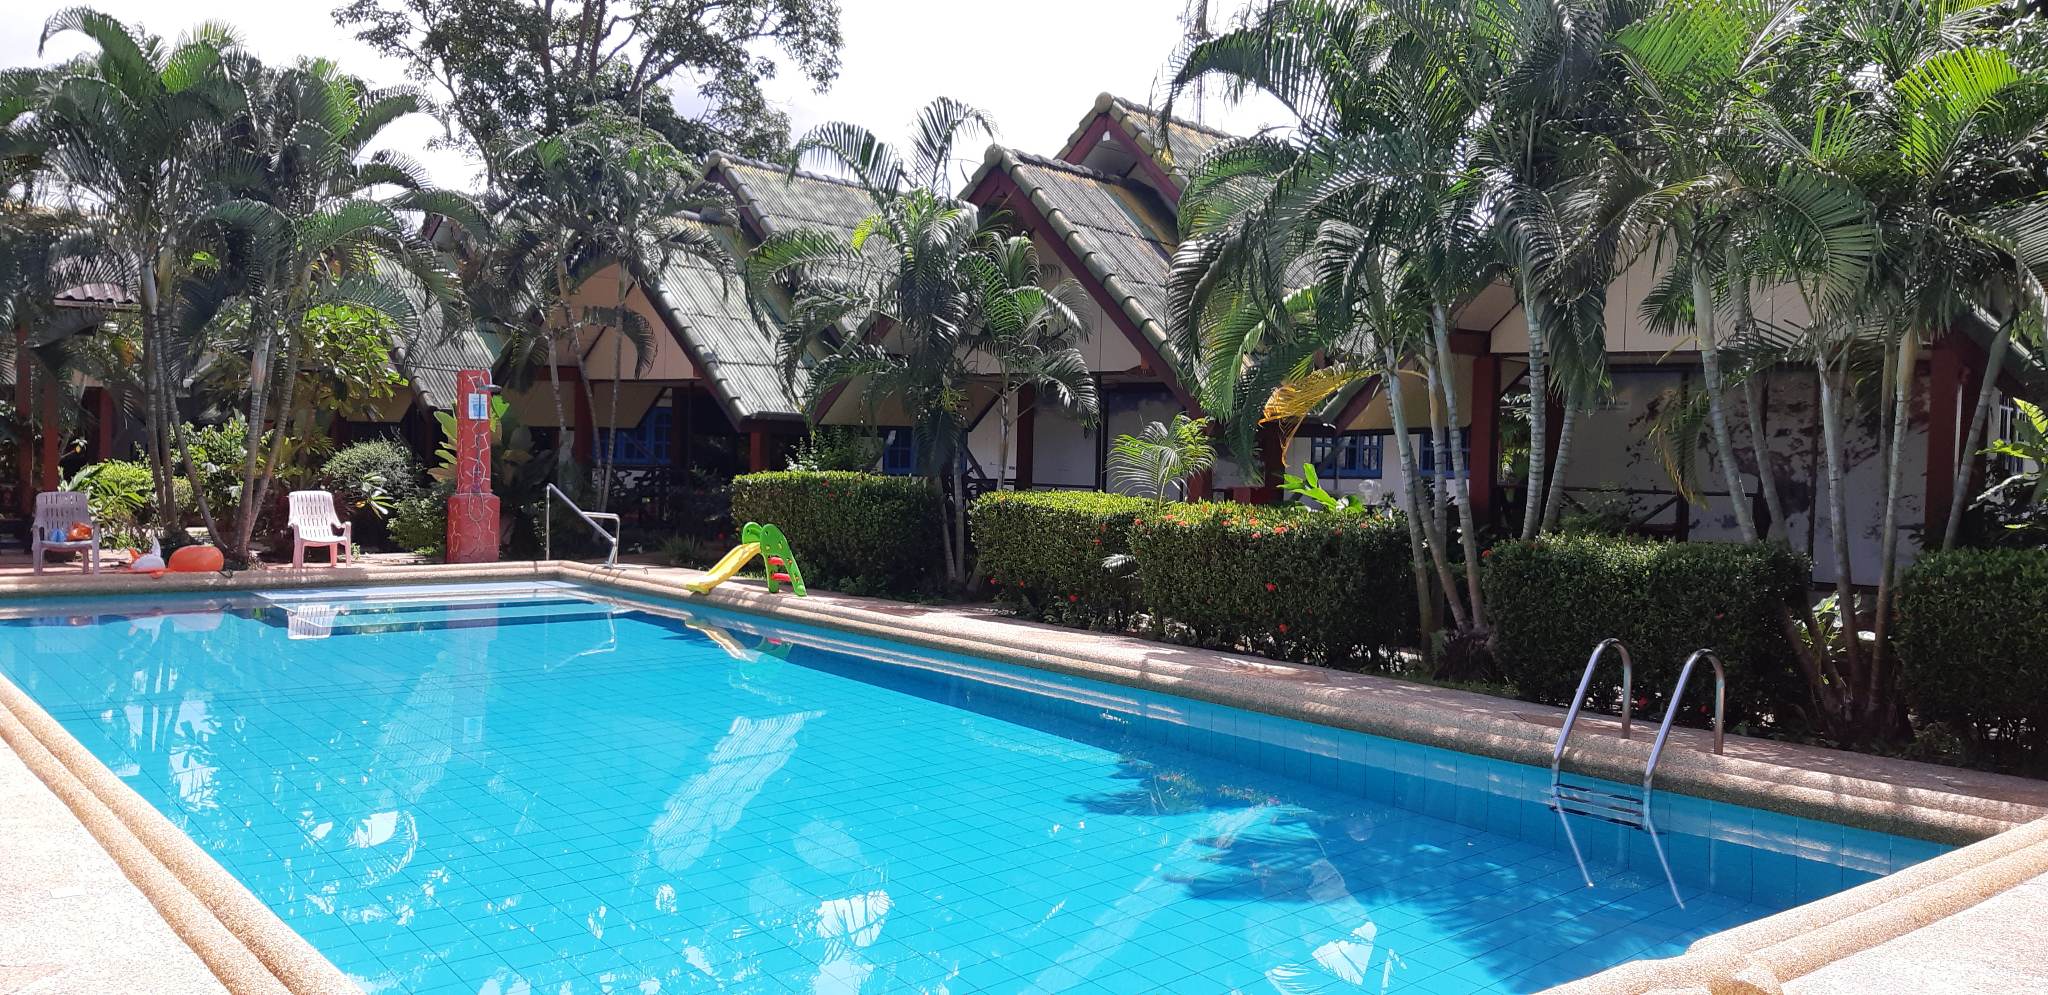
<point>503,791</point>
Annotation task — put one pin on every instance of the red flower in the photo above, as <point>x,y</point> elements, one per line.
<point>1485,553</point>
<point>1073,597</point>
<point>1283,627</point>
<point>1257,534</point>
<point>992,580</point>
<point>1271,587</point>
<point>1137,521</point>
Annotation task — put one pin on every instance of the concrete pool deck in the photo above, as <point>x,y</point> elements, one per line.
<point>1819,947</point>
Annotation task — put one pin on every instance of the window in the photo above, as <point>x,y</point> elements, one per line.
<point>1425,450</point>
<point>899,452</point>
<point>1347,457</point>
<point>645,444</point>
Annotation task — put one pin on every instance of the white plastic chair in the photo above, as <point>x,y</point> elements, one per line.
<point>314,524</point>
<point>59,510</point>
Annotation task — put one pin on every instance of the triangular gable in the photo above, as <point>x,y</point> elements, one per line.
<point>1128,139</point>
<point>1116,236</point>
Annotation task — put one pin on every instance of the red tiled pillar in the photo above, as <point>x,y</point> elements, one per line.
<point>472,509</point>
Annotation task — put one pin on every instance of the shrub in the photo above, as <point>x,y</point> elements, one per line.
<point>364,473</point>
<point>1551,600</point>
<point>1325,587</point>
<point>1043,550</point>
<point>420,524</point>
<point>855,532</point>
<point>120,493</point>
<point>1973,646</point>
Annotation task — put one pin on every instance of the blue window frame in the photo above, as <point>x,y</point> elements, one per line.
<point>899,452</point>
<point>1425,447</point>
<point>645,444</point>
<point>1347,457</point>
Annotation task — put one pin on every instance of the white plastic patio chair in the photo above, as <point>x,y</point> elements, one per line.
<point>59,510</point>
<point>314,524</point>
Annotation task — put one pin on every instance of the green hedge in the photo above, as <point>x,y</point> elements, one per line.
<point>1973,645</point>
<point>856,532</point>
<point>1551,600</point>
<point>1324,587</point>
<point>1043,551</point>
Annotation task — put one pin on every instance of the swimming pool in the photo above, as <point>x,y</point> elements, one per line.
<point>536,788</point>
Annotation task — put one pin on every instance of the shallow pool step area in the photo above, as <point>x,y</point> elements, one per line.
<point>320,615</point>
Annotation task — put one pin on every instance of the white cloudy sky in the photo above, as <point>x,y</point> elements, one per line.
<point>1035,67</point>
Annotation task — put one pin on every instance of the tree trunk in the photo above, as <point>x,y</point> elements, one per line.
<point>295,335</point>
<point>1757,391</point>
<point>161,473</point>
<point>237,543</point>
<point>1440,442</point>
<point>1411,488</point>
<point>1980,416</point>
<point>1539,416</point>
<point>1876,699</point>
<point>1838,512</point>
<point>564,436</point>
<point>1553,505</point>
<point>1461,481</point>
<point>1003,439</point>
<point>1717,409</point>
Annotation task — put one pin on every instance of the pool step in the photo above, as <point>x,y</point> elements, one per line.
<point>1604,804</point>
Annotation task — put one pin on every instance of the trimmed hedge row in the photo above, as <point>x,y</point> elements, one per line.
<point>1973,645</point>
<point>861,533</point>
<point>1551,600</point>
<point>1042,551</point>
<point>1288,582</point>
<point>1285,581</point>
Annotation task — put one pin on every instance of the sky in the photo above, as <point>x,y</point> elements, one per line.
<point>1035,68</point>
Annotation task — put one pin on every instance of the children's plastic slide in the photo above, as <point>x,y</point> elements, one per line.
<point>767,542</point>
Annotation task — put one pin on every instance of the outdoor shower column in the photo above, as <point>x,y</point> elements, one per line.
<point>473,509</point>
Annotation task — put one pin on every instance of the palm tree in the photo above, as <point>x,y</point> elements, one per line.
<point>307,233</point>
<point>605,195</point>
<point>1309,262</point>
<point>1029,332</point>
<point>122,131</point>
<point>916,267</point>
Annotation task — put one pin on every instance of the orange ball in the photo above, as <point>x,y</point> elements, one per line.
<point>80,531</point>
<point>197,560</point>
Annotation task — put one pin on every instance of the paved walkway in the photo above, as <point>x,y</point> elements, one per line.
<point>70,921</point>
<point>1997,947</point>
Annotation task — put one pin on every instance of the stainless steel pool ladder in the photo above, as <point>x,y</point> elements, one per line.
<point>590,518</point>
<point>1671,712</point>
<point>1579,799</point>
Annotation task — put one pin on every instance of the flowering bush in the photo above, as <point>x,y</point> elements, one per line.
<point>1332,588</point>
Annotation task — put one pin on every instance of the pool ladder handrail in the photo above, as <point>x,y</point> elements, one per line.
<point>1671,712</point>
<point>1579,700</point>
<point>589,518</point>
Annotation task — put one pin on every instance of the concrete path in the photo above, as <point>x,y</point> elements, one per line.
<point>70,921</point>
<point>1995,948</point>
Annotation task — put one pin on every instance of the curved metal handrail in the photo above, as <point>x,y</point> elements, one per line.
<point>589,518</point>
<point>1628,680</point>
<point>1678,694</point>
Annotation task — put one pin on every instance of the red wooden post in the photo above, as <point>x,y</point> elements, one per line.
<point>1949,376</point>
<point>52,475</point>
<point>757,450</point>
<point>1027,437</point>
<point>1484,436</point>
<point>103,446</point>
<point>583,437</point>
<point>24,405</point>
<point>472,509</point>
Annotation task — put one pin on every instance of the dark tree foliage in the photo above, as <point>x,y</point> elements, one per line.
<point>690,69</point>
